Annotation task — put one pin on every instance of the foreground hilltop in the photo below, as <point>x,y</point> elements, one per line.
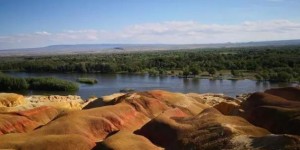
<point>152,120</point>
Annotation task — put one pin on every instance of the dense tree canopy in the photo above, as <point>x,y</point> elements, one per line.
<point>268,63</point>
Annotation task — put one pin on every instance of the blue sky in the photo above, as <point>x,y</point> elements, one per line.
<point>33,23</point>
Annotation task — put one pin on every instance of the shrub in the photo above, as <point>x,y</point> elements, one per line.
<point>153,72</point>
<point>258,77</point>
<point>283,77</point>
<point>194,71</point>
<point>211,71</point>
<point>186,72</point>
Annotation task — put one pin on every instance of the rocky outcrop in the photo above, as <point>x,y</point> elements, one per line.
<point>154,120</point>
<point>213,99</point>
<point>225,104</point>
<point>179,100</point>
<point>10,102</point>
<point>109,98</point>
<point>277,112</point>
<point>67,102</point>
<point>229,108</point>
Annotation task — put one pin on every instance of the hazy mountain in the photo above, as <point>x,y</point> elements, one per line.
<point>112,48</point>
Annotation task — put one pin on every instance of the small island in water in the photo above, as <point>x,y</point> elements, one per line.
<point>87,80</point>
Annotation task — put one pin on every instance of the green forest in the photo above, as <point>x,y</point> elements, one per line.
<point>280,63</point>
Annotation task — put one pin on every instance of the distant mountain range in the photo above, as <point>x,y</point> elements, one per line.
<point>114,48</point>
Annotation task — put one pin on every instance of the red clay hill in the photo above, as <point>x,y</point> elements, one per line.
<point>152,120</point>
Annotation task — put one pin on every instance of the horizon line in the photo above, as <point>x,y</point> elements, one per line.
<point>150,44</point>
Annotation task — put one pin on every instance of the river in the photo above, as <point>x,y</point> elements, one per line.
<point>112,83</point>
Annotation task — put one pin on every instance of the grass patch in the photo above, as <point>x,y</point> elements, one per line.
<point>87,80</point>
<point>51,84</point>
<point>9,83</point>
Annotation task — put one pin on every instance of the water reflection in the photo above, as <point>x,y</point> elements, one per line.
<point>111,83</point>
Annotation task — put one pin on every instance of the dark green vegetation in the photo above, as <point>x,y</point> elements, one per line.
<point>51,84</point>
<point>9,83</point>
<point>87,80</point>
<point>127,90</point>
<point>263,63</point>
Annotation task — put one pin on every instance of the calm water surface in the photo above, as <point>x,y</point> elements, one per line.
<point>111,83</point>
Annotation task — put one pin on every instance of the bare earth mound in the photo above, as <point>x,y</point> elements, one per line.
<point>277,112</point>
<point>152,120</point>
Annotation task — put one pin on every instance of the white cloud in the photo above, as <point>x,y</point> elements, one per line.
<point>43,33</point>
<point>176,32</point>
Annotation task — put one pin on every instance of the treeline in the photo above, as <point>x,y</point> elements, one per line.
<point>9,83</point>
<point>268,63</point>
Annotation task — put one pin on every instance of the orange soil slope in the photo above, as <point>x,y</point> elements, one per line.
<point>143,120</point>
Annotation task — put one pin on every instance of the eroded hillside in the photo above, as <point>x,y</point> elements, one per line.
<point>152,120</point>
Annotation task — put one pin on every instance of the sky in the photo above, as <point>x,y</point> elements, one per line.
<point>36,23</point>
